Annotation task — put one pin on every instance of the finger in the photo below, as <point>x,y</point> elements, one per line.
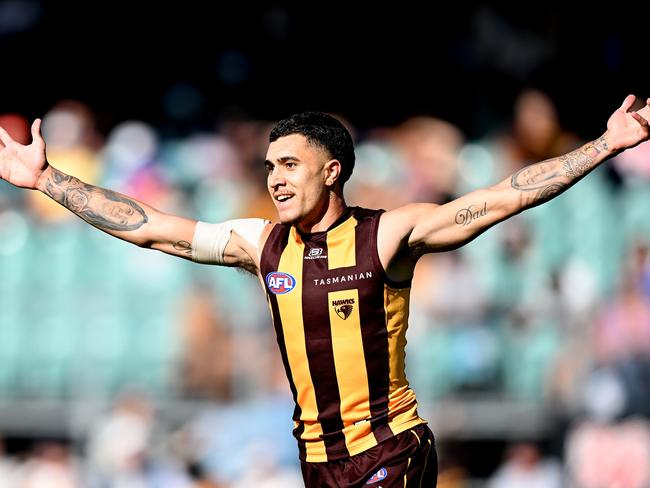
<point>628,102</point>
<point>639,119</point>
<point>5,138</point>
<point>36,131</point>
<point>36,128</point>
<point>638,104</point>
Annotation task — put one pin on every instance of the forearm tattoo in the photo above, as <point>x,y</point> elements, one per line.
<point>466,215</point>
<point>538,182</point>
<point>105,209</point>
<point>577,163</point>
<point>183,246</point>
<point>542,181</point>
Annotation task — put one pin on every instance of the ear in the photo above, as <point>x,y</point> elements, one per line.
<point>332,171</point>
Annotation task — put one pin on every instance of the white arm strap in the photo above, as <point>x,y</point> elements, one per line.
<point>210,240</point>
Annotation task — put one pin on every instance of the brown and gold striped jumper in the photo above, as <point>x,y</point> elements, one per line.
<point>341,326</point>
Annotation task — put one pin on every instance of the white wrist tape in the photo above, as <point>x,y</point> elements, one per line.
<point>210,240</point>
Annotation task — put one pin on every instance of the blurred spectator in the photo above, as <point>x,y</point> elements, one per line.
<point>536,133</point>
<point>118,445</point>
<point>200,478</point>
<point>430,148</point>
<point>602,455</point>
<point>17,126</point>
<point>8,469</point>
<point>379,176</point>
<point>634,163</point>
<point>246,440</point>
<point>524,467</point>
<point>622,336</point>
<point>266,472</point>
<point>207,356</point>
<point>50,466</point>
<point>623,325</point>
<point>440,289</point>
<point>451,473</point>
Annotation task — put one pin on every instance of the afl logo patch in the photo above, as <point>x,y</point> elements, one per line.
<point>280,283</point>
<point>378,476</point>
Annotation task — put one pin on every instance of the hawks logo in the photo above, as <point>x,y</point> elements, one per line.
<point>378,476</point>
<point>280,283</point>
<point>343,308</point>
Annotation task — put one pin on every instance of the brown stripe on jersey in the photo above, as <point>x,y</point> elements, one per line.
<point>374,335</point>
<point>318,338</point>
<point>276,242</point>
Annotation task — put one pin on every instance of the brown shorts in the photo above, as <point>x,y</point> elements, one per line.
<point>407,459</point>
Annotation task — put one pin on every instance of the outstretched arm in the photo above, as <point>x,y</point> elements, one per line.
<point>430,228</point>
<point>119,215</point>
<point>109,211</point>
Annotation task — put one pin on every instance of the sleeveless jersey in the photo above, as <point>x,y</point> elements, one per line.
<point>340,324</point>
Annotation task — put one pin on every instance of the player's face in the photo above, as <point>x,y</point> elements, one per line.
<point>296,179</point>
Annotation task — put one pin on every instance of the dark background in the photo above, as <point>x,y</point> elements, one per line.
<point>375,66</point>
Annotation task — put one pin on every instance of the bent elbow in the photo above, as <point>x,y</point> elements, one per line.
<point>145,244</point>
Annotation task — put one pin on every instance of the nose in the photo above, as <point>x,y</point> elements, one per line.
<point>276,179</point>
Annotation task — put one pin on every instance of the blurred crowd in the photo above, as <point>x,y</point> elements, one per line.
<point>549,310</point>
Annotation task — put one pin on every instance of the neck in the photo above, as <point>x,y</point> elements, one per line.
<point>329,213</point>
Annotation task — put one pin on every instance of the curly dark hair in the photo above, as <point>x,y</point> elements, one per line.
<point>324,131</point>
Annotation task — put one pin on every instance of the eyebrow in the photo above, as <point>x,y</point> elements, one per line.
<point>283,159</point>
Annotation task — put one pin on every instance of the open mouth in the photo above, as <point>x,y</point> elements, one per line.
<point>283,198</point>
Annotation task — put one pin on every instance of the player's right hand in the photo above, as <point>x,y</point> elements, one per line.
<point>23,165</point>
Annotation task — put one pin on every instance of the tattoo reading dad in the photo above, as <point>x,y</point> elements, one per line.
<point>466,215</point>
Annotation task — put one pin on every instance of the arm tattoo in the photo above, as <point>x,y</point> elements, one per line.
<point>105,209</point>
<point>466,215</point>
<point>542,181</point>
<point>538,182</point>
<point>579,162</point>
<point>183,246</point>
